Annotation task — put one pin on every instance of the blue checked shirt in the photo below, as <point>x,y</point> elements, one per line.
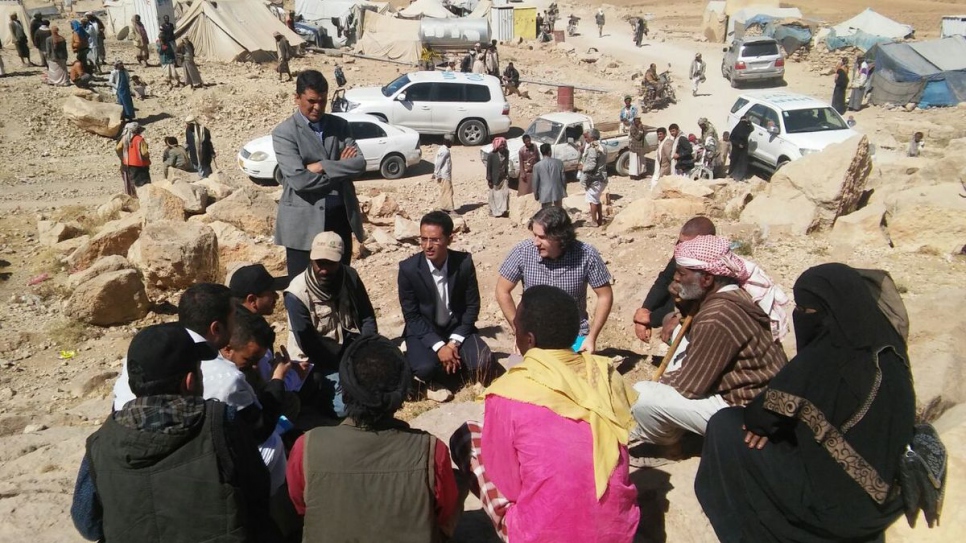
<point>579,266</point>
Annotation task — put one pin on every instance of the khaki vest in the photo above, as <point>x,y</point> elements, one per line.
<point>324,319</point>
<point>366,485</point>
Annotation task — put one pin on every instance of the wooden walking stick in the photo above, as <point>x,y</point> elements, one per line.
<point>685,324</point>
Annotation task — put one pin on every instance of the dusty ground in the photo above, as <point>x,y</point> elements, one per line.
<point>52,169</point>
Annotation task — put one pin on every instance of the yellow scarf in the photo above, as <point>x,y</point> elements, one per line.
<point>577,387</point>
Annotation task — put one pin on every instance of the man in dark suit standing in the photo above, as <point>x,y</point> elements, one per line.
<point>318,159</point>
<point>440,301</point>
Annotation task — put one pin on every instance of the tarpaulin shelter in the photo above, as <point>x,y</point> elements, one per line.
<point>227,30</point>
<point>739,21</point>
<point>873,23</point>
<point>931,73</point>
<point>390,38</point>
<point>714,23</point>
<point>426,8</point>
<point>8,8</point>
<point>789,33</point>
<point>152,12</point>
<point>865,30</point>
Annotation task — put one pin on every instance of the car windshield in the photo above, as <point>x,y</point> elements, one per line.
<point>544,131</point>
<point>394,87</point>
<point>816,119</point>
<point>761,49</point>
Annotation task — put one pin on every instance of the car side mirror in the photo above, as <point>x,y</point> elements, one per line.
<point>401,97</point>
<point>773,130</point>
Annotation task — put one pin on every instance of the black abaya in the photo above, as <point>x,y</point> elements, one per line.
<point>837,418</point>
<point>838,94</point>
<point>739,160</point>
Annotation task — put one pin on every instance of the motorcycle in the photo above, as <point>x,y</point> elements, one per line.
<point>572,25</point>
<point>661,96</point>
<point>704,160</point>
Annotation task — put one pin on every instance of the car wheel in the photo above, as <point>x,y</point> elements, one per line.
<point>622,166</point>
<point>734,82</point>
<point>278,175</point>
<point>781,163</point>
<point>724,73</point>
<point>472,132</point>
<point>393,167</point>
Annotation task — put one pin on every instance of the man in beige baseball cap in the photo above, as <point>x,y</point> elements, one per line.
<point>328,308</point>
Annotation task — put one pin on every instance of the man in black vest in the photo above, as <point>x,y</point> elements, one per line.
<point>440,301</point>
<point>170,466</point>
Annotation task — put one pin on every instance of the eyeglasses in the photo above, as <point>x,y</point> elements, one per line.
<point>430,241</point>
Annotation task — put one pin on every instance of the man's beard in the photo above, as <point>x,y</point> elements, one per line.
<point>691,291</point>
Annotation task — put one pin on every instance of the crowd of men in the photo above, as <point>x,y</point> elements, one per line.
<point>252,442</point>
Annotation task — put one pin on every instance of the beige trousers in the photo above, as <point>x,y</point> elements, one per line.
<point>446,194</point>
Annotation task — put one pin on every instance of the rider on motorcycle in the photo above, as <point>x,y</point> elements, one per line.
<point>572,24</point>
<point>652,82</point>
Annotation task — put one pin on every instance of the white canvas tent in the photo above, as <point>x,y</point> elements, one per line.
<point>230,30</point>
<point>152,12</point>
<point>482,10</point>
<point>426,8</point>
<point>390,38</point>
<point>873,24</point>
<point>321,12</point>
<point>7,8</point>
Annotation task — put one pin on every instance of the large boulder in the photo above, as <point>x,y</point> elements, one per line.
<point>639,214</point>
<point>216,190</point>
<point>382,205</point>
<point>104,265</point>
<point>193,197</point>
<point>865,227</point>
<point>114,238</point>
<point>248,209</point>
<point>937,325</point>
<point>159,204</point>
<point>676,186</point>
<point>809,194</point>
<point>522,208</point>
<point>174,255</point>
<point>51,233</point>
<point>235,246</point>
<point>111,209</point>
<point>405,229</point>
<point>100,118</point>
<point>109,299</point>
<point>928,218</point>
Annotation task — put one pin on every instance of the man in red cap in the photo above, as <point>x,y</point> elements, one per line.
<point>731,354</point>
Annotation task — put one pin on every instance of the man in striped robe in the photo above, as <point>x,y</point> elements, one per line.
<point>731,354</point>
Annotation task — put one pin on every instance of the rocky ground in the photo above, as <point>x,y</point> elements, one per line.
<point>60,344</point>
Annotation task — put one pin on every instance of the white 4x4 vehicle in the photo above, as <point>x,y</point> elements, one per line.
<point>787,126</point>
<point>472,106</point>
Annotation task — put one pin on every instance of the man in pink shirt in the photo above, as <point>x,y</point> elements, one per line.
<point>550,463</point>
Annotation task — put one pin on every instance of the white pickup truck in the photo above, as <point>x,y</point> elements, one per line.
<point>563,131</point>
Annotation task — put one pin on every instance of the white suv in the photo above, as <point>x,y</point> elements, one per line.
<point>472,106</point>
<point>787,126</point>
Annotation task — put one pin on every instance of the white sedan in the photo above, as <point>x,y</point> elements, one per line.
<point>388,149</point>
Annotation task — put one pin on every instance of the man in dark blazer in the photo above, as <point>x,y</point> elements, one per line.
<point>440,301</point>
<point>318,159</point>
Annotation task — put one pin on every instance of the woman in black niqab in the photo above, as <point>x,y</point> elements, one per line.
<point>831,428</point>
